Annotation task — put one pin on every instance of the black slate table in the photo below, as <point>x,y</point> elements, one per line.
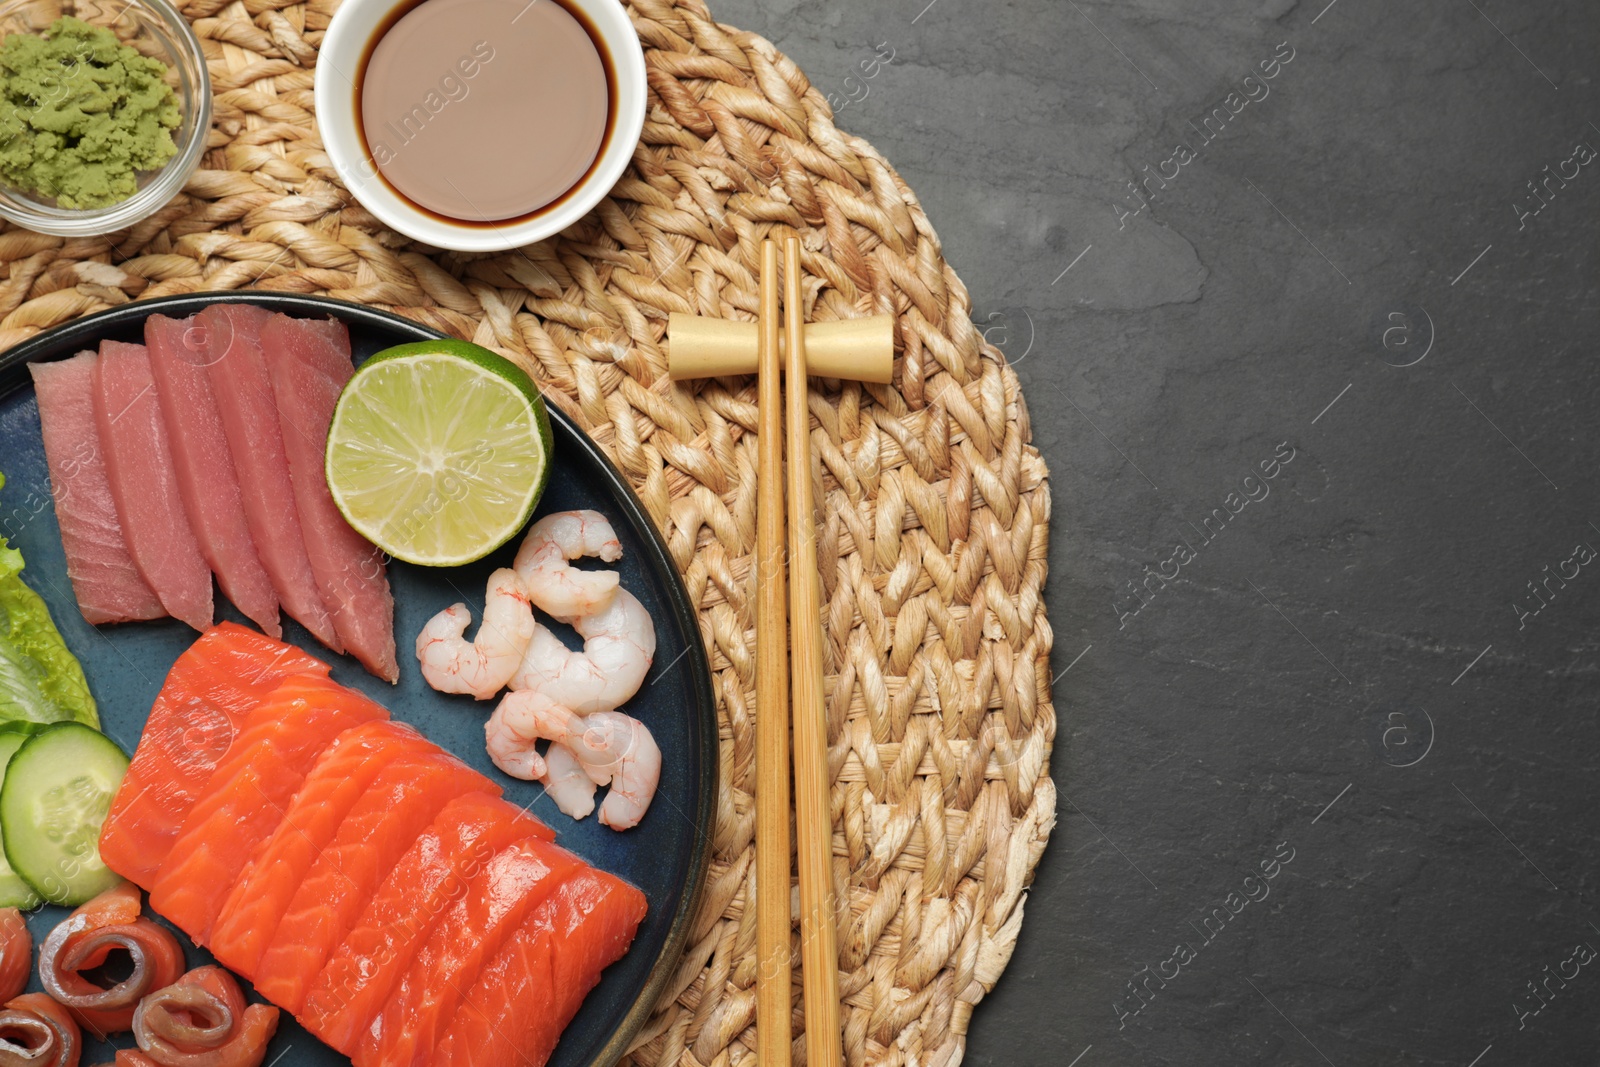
<point>1305,303</point>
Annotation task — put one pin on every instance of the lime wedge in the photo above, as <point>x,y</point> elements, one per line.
<point>438,451</point>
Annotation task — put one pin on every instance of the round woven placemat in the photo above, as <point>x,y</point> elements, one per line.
<point>933,505</point>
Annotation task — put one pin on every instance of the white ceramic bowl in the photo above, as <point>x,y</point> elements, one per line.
<point>338,60</point>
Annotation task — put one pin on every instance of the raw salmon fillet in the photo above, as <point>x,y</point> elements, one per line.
<point>265,887</point>
<point>398,806</point>
<point>248,793</point>
<point>104,579</point>
<point>204,466</point>
<point>526,995</point>
<point>243,389</point>
<point>467,935</point>
<point>203,705</point>
<point>359,975</point>
<point>309,361</point>
<point>144,483</point>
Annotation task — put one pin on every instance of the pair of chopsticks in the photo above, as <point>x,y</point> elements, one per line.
<point>788,633</point>
<point>789,666</point>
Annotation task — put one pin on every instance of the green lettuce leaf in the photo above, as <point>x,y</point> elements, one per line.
<point>40,681</point>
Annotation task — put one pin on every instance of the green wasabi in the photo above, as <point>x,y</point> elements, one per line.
<point>81,114</point>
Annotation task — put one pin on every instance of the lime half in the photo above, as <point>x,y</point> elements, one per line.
<point>438,451</point>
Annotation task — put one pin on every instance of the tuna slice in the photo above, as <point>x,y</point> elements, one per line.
<point>309,361</point>
<point>145,485</point>
<point>243,390</point>
<point>244,801</point>
<point>465,937</point>
<point>204,465</point>
<point>528,993</point>
<point>202,707</point>
<point>353,986</point>
<point>104,579</point>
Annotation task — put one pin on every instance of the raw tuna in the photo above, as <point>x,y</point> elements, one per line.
<point>553,962</point>
<point>144,483</point>
<point>245,799</point>
<point>310,363</point>
<point>352,988</point>
<point>243,389</point>
<point>470,931</point>
<point>404,800</point>
<point>204,465</point>
<point>264,889</point>
<point>104,579</point>
<point>203,705</point>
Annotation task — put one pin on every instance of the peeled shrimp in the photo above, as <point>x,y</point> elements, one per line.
<point>610,747</point>
<point>618,749</point>
<point>521,720</point>
<point>619,644</point>
<point>555,585</point>
<point>483,666</point>
<point>566,782</point>
<point>511,750</point>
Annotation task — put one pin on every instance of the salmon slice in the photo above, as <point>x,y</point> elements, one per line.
<point>248,793</point>
<point>203,705</point>
<point>111,922</point>
<point>250,915</point>
<point>469,933</point>
<point>243,388</point>
<point>351,989</point>
<point>526,995</point>
<point>309,361</point>
<point>399,805</point>
<point>144,483</point>
<point>201,1020</point>
<point>204,466</point>
<point>16,953</point>
<point>104,579</point>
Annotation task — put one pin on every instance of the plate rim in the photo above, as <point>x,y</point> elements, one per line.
<point>13,376</point>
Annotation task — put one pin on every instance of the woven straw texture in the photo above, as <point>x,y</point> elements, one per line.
<point>933,507</point>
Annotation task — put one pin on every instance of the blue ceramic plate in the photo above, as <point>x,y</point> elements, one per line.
<point>665,855</point>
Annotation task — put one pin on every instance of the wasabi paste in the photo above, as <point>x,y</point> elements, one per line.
<point>81,114</point>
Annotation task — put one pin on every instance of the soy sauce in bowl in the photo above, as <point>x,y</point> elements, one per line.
<point>485,110</point>
<point>480,125</point>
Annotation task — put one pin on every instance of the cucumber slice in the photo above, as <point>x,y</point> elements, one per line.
<point>57,793</point>
<point>14,892</point>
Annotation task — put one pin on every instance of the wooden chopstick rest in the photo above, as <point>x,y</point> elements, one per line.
<point>858,349</point>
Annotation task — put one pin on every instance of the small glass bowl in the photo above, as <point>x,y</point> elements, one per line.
<point>155,29</point>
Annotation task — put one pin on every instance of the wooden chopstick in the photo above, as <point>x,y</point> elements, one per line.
<point>819,950</point>
<point>774,961</point>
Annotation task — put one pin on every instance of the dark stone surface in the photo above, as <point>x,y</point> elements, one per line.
<point>1343,668</point>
